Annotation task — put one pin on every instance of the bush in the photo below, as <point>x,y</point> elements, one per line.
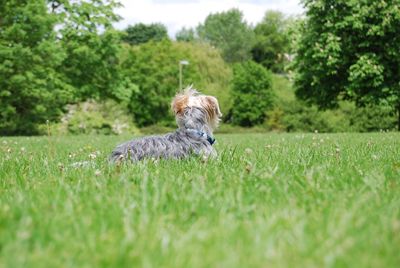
<point>252,94</point>
<point>290,114</point>
<point>297,116</point>
<point>373,118</point>
<point>91,117</point>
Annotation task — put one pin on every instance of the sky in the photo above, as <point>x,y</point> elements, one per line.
<point>175,14</point>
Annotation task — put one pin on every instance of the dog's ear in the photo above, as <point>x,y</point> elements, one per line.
<point>179,103</point>
<point>212,107</point>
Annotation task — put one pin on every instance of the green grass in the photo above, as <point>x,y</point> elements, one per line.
<point>269,200</point>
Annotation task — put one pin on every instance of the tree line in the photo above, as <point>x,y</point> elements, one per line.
<point>58,52</point>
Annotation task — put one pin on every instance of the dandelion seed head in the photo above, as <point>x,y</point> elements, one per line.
<point>92,156</point>
<point>248,151</point>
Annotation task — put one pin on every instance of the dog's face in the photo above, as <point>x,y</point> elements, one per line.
<point>192,98</point>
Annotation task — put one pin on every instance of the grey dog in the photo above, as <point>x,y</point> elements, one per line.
<point>197,117</point>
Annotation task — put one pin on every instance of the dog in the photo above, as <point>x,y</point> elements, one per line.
<point>197,116</point>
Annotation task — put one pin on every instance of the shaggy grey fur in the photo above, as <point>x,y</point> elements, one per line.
<point>185,141</point>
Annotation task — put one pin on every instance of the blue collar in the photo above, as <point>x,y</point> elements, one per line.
<point>210,139</point>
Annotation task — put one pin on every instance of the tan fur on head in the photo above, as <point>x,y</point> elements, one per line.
<point>179,103</point>
<point>210,104</point>
<point>192,98</point>
<point>182,100</point>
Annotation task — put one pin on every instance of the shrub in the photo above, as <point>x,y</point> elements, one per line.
<point>290,114</point>
<point>300,117</point>
<point>373,118</point>
<point>91,117</point>
<point>252,94</point>
<point>296,116</point>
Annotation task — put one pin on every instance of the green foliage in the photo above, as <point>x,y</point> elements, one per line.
<point>272,41</point>
<point>56,52</point>
<point>154,67</point>
<point>92,47</point>
<point>283,89</point>
<point>141,33</point>
<point>93,117</point>
<point>228,32</point>
<point>298,117</point>
<point>372,118</point>
<point>252,94</point>
<point>31,89</point>
<point>214,75</point>
<point>293,115</point>
<point>185,35</point>
<point>350,50</point>
<point>52,53</point>
<point>285,200</point>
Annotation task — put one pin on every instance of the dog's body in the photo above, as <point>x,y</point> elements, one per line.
<point>196,115</point>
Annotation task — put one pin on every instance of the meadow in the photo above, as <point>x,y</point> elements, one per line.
<point>268,200</point>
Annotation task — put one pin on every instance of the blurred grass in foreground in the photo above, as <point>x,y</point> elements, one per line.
<point>275,200</point>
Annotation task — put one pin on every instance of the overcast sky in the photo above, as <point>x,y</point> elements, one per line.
<point>189,13</point>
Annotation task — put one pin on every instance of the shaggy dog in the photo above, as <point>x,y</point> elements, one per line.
<point>197,116</point>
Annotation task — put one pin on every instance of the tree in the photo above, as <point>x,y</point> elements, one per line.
<point>31,89</point>
<point>54,52</point>
<point>185,35</point>
<point>153,66</point>
<point>92,46</point>
<point>272,41</point>
<point>350,50</point>
<point>252,94</point>
<point>228,32</point>
<point>141,33</point>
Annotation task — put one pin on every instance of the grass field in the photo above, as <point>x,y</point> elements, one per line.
<point>269,200</point>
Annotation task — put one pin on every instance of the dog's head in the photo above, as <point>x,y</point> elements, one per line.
<point>190,98</point>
